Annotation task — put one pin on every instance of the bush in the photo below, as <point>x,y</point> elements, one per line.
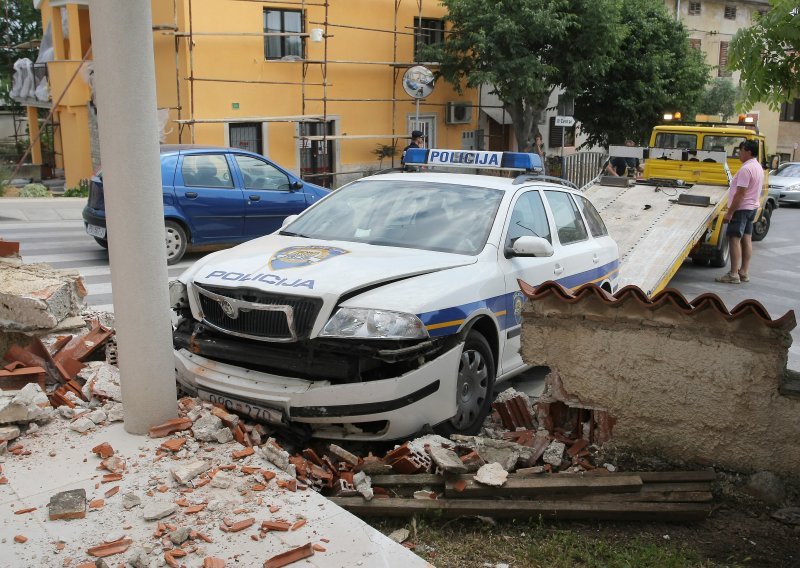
<point>81,190</point>
<point>2,189</point>
<point>34,190</point>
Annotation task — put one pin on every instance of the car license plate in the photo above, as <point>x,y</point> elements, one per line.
<point>262,413</point>
<point>99,232</point>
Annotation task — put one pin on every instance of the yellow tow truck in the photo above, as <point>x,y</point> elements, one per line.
<point>675,209</point>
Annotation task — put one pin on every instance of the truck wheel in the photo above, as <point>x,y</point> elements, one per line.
<point>722,253</point>
<point>102,242</point>
<point>475,388</point>
<point>761,227</point>
<point>176,242</point>
<point>699,261</point>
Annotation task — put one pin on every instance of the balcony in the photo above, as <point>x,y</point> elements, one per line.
<point>30,86</point>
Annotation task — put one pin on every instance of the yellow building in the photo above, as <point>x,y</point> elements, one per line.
<point>316,86</point>
<point>711,25</point>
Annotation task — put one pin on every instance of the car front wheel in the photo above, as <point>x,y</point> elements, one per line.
<point>176,242</point>
<point>474,387</point>
<point>102,242</point>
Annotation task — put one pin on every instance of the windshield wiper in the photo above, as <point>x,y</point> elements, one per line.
<point>291,234</point>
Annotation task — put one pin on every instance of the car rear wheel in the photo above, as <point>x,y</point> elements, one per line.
<point>176,242</point>
<point>102,242</point>
<point>761,227</point>
<point>474,387</point>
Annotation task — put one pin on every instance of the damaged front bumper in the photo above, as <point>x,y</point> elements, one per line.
<point>383,409</point>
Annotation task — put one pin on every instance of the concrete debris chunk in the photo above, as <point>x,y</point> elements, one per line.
<point>205,428</point>
<point>400,535</point>
<point>155,510</point>
<point>131,500</point>
<point>114,412</point>
<point>183,474</point>
<point>343,455</point>
<point>418,445</point>
<point>28,404</point>
<point>82,425</point>
<point>138,558</point>
<point>8,433</point>
<point>447,460</point>
<point>223,435</point>
<point>554,453</point>
<point>37,297</point>
<point>276,455</point>
<point>180,535</point>
<point>97,416</point>
<point>363,484</point>
<point>102,381</point>
<point>492,474</point>
<point>222,480</point>
<point>67,505</point>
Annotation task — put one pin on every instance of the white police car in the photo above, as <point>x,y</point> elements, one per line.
<point>391,304</point>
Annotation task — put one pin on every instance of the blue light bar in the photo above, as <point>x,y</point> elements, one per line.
<point>472,159</point>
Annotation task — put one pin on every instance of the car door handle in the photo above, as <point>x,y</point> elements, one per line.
<point>191,194</point>
<point>255,198</point>
<point>595,259</point>
<point>558,269</point>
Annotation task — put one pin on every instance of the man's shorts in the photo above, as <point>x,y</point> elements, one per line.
<point>741,223</point>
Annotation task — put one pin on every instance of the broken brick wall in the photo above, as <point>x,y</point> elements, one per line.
<point>691,384</point>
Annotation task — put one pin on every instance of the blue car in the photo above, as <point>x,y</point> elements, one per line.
<point>214,196</point>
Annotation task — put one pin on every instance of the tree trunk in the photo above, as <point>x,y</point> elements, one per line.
<point>525,113</point>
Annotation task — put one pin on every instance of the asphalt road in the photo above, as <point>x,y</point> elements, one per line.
<point>51,230</point>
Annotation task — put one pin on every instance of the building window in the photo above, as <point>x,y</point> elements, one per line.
<point>723,60</point>
<point>694,8</point>
<point>695,43</point>
<point>283,21</point>
<point>730,12</point>
<point>790,111</point>
<point>427,31</point>
<point>556,132</point>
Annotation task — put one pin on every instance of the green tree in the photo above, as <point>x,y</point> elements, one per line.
<point>524,49</point>
<point>20,22</point>
<point>768,55</point>
<point>654,71</point>
<point>719,98</point>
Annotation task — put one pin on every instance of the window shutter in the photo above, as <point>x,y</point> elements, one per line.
<point>723,60</point>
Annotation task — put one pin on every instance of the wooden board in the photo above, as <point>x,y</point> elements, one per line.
<point>542,486</point>
<point>654,234</point>
<point>561,510</point>
<point>412,480</point>
<point>653,496</point>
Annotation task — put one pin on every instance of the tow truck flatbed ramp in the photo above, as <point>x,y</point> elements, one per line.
<point>655,233</point>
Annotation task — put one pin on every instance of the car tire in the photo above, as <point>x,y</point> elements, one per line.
<point>722,252</point>
<point>176,242</point>
<point>700,261</point>
<point>102,242</point>
<point>761,227</point>
<point>474,387</point>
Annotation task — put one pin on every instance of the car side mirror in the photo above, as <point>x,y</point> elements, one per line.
<point>296,185</point>
<point>530,246</point>
<point>288,220</point>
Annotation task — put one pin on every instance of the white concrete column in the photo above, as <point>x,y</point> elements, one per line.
<point>122,45</point>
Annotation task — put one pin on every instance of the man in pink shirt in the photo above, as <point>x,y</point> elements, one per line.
<point>743,200</point>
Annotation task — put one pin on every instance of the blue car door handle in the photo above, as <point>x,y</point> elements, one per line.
<point>255,198</point>
<point>191,194</point>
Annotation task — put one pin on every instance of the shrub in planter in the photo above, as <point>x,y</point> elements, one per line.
<point>35,190</point>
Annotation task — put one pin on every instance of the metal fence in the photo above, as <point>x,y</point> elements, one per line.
<point>583,167</point>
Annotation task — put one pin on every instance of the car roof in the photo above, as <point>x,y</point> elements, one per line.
<point>505,184</point>
<point>197,148</point>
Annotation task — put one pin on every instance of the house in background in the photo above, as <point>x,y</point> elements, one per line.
<point>317,87</point>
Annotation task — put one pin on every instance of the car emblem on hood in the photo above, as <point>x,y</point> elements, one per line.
<point>229,309</point>
<point>295,257</point>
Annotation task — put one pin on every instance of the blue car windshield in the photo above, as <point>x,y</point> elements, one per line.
<point>420,215</point>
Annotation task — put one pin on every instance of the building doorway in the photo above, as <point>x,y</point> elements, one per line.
<point>427,125</point>
<point>316,156</point>
<point>246,136</point>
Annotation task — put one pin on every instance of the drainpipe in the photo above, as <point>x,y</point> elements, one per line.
<point>122,42</point>
<point>678,10</point>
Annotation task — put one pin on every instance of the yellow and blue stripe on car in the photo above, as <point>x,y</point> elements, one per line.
<point>507,308</point>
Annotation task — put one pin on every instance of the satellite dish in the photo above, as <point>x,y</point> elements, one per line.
<point>418,82</point>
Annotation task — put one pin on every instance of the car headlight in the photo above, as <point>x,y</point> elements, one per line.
<point>178,296</point>
<point>374,324</point>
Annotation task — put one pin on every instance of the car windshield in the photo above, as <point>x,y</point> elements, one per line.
<point>420,215</point>
<point>789,170</point>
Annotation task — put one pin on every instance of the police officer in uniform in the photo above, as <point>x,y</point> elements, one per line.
<point>417,141</point>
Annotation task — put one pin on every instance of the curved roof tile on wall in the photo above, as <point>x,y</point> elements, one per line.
<point>667,297</point>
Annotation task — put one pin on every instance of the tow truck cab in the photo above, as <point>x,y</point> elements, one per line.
<point>712,138</point>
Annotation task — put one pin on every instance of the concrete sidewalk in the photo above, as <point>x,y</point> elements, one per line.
<point>41,209</point>
<point>60,459</point>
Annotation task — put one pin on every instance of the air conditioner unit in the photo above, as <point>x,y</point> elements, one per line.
<point>459,113</point>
